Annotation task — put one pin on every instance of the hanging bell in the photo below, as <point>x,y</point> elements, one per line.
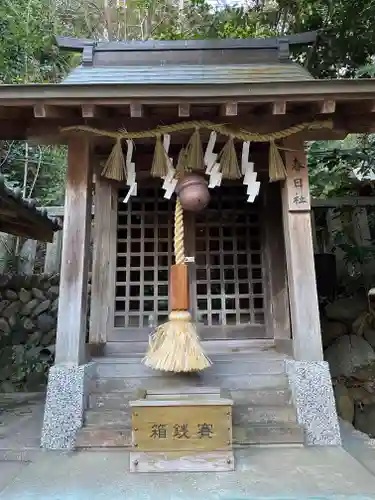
<point>193,193</point>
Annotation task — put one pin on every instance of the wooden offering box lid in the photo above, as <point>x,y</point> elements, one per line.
<point>190,396</point>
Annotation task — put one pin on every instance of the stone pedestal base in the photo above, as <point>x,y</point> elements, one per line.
<point>67,393</point>
<point>312,390</point>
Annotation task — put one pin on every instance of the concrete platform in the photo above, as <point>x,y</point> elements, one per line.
<point>282,473</point>
<point>261,473</point>
<point>21,418</point>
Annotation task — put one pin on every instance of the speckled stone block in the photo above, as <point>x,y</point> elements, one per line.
<point>67,396</point>
<point>312,390</point>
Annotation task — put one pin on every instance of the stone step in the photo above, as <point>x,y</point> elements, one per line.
<point>258,434</point>
<point>107,437</point>
<point>116,347</point>
<point>120,367</point>
<point>276,433</point>
<point>117,400</point>
<point>245,415</point>
<point>251,355</point>
<point>242,415</point>
<point>173,381</point>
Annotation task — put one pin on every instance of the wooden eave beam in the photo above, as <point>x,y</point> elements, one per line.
<point>279,108</point>
<point>89,110</point>
<point>52,111</point>
<point>13,211</point>
<point>263,91</point>
<point>230,108</point>
<point>326,107</point>
<point>184,110</point>
<point>24,230</point>
<point>136,110</point>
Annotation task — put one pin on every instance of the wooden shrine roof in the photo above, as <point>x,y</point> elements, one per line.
<point>138,85</point>
<point>180,62</point>
<point>21,218</point>
<point>193,74</point>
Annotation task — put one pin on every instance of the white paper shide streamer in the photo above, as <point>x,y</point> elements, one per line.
<point>212,167</point>
<point>170,182</point>
<point>130,167</point>
<point>250,177</point>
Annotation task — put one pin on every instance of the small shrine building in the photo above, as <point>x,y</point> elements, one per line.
<point>249,252</point>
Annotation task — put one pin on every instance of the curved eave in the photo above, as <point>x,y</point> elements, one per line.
<point>64,93</point>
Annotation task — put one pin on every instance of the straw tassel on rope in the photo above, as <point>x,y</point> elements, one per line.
<point>161,162</point>
<point>228,161</point>
<point>175,346</point>
<point>194,158</point>
<point>115,167</point>
<point>277,170</point>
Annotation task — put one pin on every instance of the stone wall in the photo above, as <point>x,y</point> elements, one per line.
<point>28,316</point>
<point>348,334</point>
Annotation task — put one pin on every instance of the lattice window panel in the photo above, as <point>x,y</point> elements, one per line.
<point>144,256</point>
<point>228,256</point>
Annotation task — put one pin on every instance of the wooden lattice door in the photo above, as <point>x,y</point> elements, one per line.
<point>229,279</point>
<point>226,280</point>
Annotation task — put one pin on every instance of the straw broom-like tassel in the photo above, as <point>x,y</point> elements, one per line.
<point>175,346</point>
<point>161,162</point>
<point>115,167</point>
<point>228,161</point>
<point>277,170</point>
<point>194,157</point>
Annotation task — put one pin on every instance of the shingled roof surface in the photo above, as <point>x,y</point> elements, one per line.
<point>21,217</point>
<point>187,62</point>
<point>193,74</point>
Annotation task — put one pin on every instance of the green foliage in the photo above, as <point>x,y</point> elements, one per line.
<point>45,168</point>
<point>27,51</point>
<point>23,366</point>
<point>333,164</point>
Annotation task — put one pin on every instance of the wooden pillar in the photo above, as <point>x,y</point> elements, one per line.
<point>103,283</point>
<point>304,309</point>
<point>72,314</point>
<point>277,284</point>
<point>53,254</point>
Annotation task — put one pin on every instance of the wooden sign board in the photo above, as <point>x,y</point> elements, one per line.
<point>297,181</point>
<point>172,428</point>
<point>182,432</point>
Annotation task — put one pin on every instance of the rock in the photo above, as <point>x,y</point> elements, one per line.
<point>35,338</point>
<point>13,308</point>
<point>43,306</point>
<point>53,292</point>
<point>24,295</point>
<point>11,295</point>
<point>12,321</point>
<point>361,396</point>
<point>344,403</point>
<point>346,310</point>
<point>348,354</point>
<point>55,279</point>
<point>55,305</point>
<point>29,307</point>
<point>364,419</point>
<point>4,326</point>
<point>46,285</point>
<point>49,338</point>
<point>45,322</point>
<point>332,330</point>
<point>28,324</point>
<point>38,294</point>
<point>369,335</point>
<point>4,280</point>
<point>3,305</point>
